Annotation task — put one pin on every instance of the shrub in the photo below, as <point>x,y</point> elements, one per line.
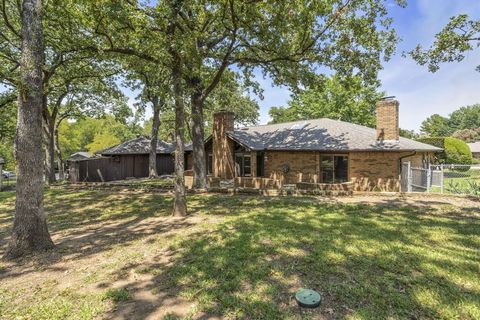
<point>454,150</point>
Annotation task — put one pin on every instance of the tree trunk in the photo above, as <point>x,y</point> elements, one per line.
<point>152,159</point>
<point>199,158</point>
<point>49,142</point>
<point>180,205</point>
<point>30,232</point>
<point>58,151</point>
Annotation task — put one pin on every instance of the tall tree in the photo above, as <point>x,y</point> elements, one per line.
<point>436,126</point>
<point>347,99</point>
<point>174,50</point>
<point>93,134</point>
<point>288,40</point>
<point>85,88</point>
<point>467,117</point>
<point>155,92</point>
<point>64,58</point>
<point>230,93</point>
<point>30,232</point>
<point>285,39</point>
<point>459,36</point>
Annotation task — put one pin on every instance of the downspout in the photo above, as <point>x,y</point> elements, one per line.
<point>403,157</point>
<point>400,167</point>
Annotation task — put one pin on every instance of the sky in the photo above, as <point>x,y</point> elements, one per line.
<point>420,92</point>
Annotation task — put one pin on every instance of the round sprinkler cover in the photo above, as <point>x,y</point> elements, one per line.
<point>308,298</point>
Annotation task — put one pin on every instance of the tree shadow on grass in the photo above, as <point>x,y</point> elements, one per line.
<point>86,223</point>
<point>365,264</point>
<point>368,261</point>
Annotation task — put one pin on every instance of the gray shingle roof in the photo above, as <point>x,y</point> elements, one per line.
<point>474,146</point>
<point>77,156</point>
<point>320,135</point>
<point>139,145</point>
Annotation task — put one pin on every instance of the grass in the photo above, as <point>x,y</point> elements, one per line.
<point>116,295</point>
<point>458,181</point>
<point>244,257</point>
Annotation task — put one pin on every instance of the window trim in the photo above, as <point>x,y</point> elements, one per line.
<point>243,155</point>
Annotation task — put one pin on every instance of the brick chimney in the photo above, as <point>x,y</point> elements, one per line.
<point>223,147</point>
<point>387,120</point>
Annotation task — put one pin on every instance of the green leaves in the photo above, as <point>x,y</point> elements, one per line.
<point>348,99</point>
<point>459,36</point>
<point>464,118</point>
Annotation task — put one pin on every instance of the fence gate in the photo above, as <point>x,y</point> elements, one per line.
<point>448,178</point>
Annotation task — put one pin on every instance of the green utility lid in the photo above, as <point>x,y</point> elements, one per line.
<point>308,298</point>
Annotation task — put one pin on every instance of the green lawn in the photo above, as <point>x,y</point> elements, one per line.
<point>460,182</point>
<point>121,255</point>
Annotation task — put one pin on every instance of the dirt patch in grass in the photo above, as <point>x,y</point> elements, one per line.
<point>121,255</point>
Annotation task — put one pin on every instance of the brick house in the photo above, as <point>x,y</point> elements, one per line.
<point>322,151</point>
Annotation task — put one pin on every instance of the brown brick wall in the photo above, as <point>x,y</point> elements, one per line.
<point>387,120</point>
<point>368,170</point>
<point>374,171</point>
<point>304,166</point>
<point>379,171</point>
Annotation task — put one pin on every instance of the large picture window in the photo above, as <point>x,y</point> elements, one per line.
<point>243,165</point>
<point>334,168</point>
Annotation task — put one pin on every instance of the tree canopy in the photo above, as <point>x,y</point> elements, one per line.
<point>467,117</point>
<point>94,134</point>
<point>348,99</point>
<point>460,35</point>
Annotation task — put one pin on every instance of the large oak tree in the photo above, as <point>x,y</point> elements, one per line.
<point>30,232</point>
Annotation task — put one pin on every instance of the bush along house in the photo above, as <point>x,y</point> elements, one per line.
<point>320,154</point>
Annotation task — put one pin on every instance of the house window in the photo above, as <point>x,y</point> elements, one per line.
<point>334,169</point>
<point>209,163</point>
<point>243,165</point>
<point>260,164</point>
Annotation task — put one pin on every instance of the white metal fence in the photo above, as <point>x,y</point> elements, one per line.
<point>443,178</point>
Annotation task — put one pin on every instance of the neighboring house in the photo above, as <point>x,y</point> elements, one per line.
<point>123,161</point>
<point>78,156</point>
<point>475,149</point>
<point>315,151</point>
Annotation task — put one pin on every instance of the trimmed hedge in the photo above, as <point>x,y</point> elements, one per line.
<point>454,150</point>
